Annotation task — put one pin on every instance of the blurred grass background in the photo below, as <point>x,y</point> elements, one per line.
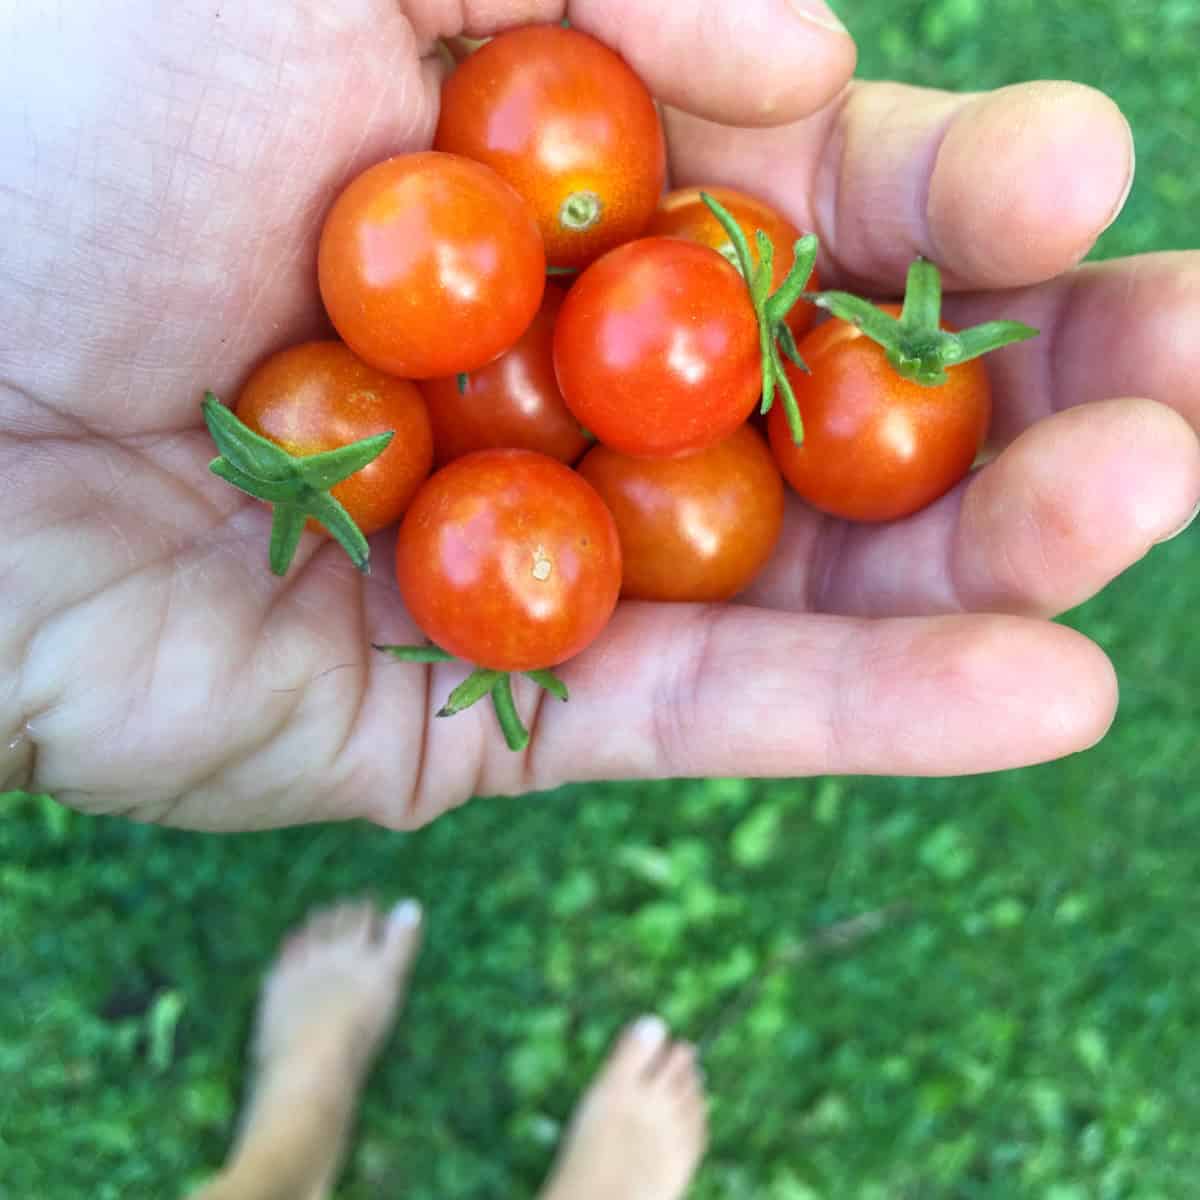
<point>1023,1023</point>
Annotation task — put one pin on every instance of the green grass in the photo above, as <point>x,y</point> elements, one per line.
<point>1022,1026</point>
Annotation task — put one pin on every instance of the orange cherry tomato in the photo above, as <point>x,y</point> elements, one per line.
<point>657,348</point>
<point>683,214</point>
<point>695,528</point>
<point>877,447</point>
<point>509,560</point>
<point>567,122</point>
<point>512,402</point>
<point>319,396</point>
<point>430,265</point>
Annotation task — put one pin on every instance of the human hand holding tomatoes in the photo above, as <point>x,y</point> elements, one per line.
<point>151,665</point>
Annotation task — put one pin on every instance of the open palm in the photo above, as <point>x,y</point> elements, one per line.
<point>161,206</point>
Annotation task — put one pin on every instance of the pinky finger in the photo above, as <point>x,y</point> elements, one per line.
<point>727,691</point>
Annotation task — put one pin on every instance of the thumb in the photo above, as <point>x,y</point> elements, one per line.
<point>755,62</point>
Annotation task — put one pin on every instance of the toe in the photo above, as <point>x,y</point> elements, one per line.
<point>322,924</point>
<point>352,921</point>
<point>401,935</point>
<point>639,1048</point>
<point>679,1070</point>
<point>293,946</point>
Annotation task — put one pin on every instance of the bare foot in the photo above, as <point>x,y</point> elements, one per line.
<point>325,1007</point>
<point>640,1131</point>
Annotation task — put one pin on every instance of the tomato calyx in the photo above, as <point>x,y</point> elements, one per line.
<point>480,683</point>
<point>296,486</point>
<point>916,346</point>
<point>580,211</point>
<point>771,308</point>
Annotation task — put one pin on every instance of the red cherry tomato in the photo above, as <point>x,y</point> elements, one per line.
<point>877,446</point>
<point>699,527</point>
<point>570,126</point>
<point>430,265</point>
<point>512,402</point>
<point>683,214</point>
<point>657,348</point>
<point>318,396</point>
<point>509,560</point>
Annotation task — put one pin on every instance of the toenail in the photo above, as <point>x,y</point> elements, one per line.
<point>650,1030</point>
<point>405,915</point>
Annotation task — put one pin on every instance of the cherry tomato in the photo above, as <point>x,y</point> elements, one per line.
<point>510,560</point>
<point>876,446</point>
<point>657,348</point>
<point>570,126</point>
<point>430,265</point>
<point>699,527</point>
<point>318,396</point>
<point>512,402</point>
<point>683,214</point>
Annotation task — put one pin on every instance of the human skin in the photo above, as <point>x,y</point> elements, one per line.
<point>161,205</point>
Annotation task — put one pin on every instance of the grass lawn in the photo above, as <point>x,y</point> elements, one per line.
<point>1021,1024</point>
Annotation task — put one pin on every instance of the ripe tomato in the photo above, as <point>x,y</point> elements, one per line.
<point>570,126</point>
<point>430,265</point>
<point>318,396</point>
<point>657,348</point>
<point>876,446</point>
<point>509,559</point>
<point>683,214</point>
<point>512,402</point>
<point>699,527</point>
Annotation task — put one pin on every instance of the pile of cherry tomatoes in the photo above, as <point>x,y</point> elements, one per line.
<point>592,433</point>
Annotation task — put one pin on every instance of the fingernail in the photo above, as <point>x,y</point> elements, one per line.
<point>819,14</point>
<point>405,915</point>
<point>650,1030</point>
<point>1116,212</point>
<point>1182,529</point>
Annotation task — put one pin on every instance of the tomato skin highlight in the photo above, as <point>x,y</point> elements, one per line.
<point>320,396</point>
<point>683,214</point>
<point>513,402</point>
<point>558,114</point>
<point>695,528</point>
<point>877,447</point>
<point>429,265</point>
<point>657,348</point>
<point>509,560</point>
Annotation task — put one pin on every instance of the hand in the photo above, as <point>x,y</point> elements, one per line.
<point>160,212</point>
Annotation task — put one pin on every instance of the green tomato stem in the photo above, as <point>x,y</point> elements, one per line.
<point>482,682</point>
<point>917,347</point>
<point>516,736</point>
<point>472,689</point>
<point>415,654</point>
<point>580,211</point>
<point>296,485</point>
<point>771,309</point>
<point>551,682</point>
